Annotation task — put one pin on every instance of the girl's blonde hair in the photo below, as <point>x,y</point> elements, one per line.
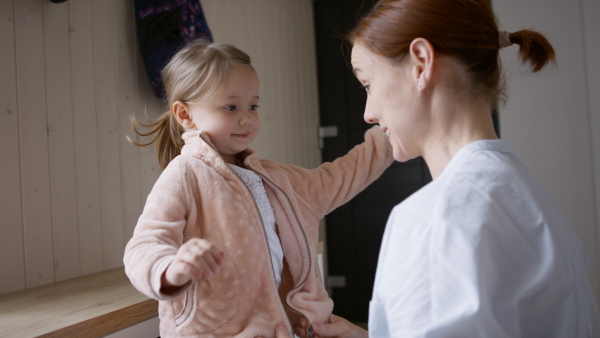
<point>195,72</point>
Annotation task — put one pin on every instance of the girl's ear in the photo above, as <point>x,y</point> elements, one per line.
<point>182,113</point>
<point>422,54</point>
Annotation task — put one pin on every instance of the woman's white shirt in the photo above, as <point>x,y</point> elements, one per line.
<point>482,251</point>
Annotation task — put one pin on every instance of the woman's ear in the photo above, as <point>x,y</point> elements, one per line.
<point>422,54</point>
<point>182,113</point>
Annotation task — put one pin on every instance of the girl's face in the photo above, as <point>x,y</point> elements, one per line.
<point>230,115</point>
<point>392,102</point>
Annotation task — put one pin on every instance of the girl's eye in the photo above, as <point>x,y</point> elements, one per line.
<point>367,88</point>
<point>254,107</point>
<point>232,107</point>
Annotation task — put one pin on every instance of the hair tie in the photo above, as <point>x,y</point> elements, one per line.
<point>504,39</point>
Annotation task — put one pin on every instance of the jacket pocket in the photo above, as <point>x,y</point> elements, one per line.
<point>184,307</point>
<point>209,303</point>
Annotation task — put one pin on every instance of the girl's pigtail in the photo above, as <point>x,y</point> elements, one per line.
<point>193,72</point>
<point>534,48</point>
<point>165,135</point>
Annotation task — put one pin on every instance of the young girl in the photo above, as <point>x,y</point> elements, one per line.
<point>227,241</point>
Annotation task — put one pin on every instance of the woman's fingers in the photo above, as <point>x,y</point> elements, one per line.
<point>339,327</point>
<point>281,331</point>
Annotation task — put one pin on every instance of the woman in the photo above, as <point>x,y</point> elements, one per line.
<point>482,251</point>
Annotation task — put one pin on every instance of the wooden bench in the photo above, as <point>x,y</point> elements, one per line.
<point>89,306</point>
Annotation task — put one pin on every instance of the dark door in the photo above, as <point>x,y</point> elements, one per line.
<point>355,230</point>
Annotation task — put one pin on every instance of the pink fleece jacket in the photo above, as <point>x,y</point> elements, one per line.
<point>198,195</point>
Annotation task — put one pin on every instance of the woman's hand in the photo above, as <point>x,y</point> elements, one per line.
<point>339,327</point>
<point>335,327</point>
<point>197,258</point>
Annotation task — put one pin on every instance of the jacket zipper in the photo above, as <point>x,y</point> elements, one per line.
<point>305,241</point>
<point>262,222</point>
<point>309,329</point>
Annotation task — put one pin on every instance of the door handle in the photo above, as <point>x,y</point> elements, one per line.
<point>326,131</point>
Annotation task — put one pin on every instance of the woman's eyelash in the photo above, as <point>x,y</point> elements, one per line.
<point>364,86</point>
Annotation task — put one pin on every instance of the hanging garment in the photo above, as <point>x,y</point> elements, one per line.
<point>164,26</point>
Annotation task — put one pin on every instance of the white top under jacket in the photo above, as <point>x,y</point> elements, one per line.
<point>257,189</point>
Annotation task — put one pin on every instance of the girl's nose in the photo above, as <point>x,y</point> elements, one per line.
<point>246,117</point>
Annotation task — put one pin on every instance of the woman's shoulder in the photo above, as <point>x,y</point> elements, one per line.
<point>483,181</point>
<point>490,159</point>
<point>486,168</point>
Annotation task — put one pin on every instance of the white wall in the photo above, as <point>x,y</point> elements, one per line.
<point>591,28</point>
<point>553,118</point>
<point>71,186</point>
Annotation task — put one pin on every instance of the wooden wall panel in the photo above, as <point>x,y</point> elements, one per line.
<point>281,45</point>
<point>147,108</point>
<point>12,261</point>
<point>103,33</point>
<point>60,141</point>
<point>33,132</point>
<point>86,142</point>
<point>309,152</point>
<point>126,105</point>
<point>71,75</point>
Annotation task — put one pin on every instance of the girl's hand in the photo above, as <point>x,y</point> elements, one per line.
<point>197,258</point>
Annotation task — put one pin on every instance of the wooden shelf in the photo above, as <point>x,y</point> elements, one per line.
<point>89,306</point>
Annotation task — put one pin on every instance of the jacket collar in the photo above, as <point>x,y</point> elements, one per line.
<point>198,145</point>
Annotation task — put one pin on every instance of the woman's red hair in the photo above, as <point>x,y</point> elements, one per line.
<point>464,29</point>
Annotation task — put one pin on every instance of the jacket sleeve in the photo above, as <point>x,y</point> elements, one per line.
<point>158,234</point>
<point>332,184</point>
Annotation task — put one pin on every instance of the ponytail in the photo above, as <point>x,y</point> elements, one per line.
<point>166,136</point>
<point>193,73</point>
<point>534,49</point>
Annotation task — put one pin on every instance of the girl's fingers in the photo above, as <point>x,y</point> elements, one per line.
<point>179,273</point>
<point>187,269</point>
<point>203,258</point>
<point>210,261</point>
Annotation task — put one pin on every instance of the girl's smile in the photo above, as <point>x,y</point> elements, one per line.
<point>229,116</point>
